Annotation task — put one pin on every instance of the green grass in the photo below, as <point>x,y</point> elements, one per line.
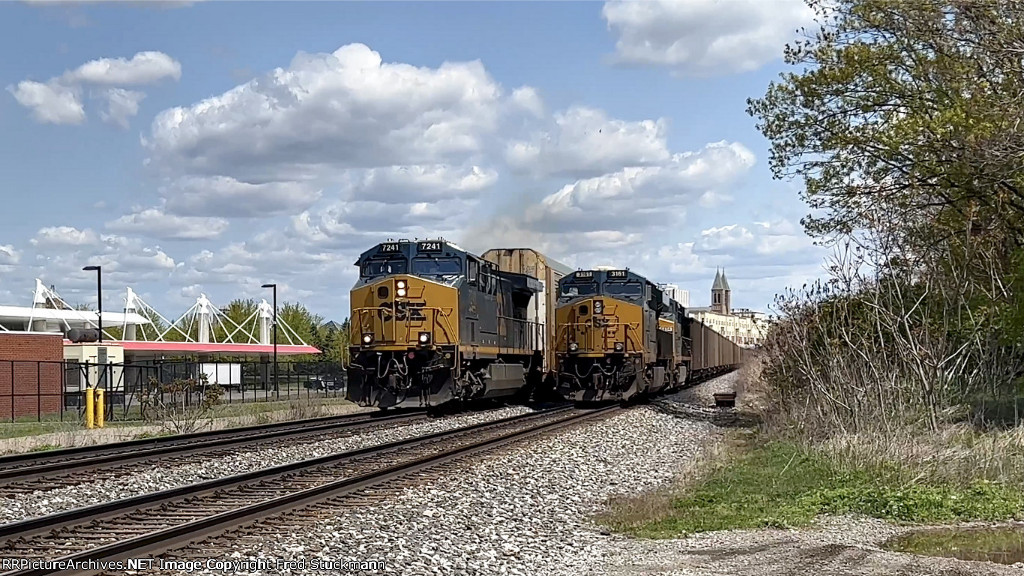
<point>45,448</point>
<point>782,485</point>
<point>29,426</point>
<point>19,429</point>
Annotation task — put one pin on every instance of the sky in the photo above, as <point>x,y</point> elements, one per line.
<point>212,147</point>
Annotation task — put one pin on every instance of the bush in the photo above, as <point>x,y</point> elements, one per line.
<point>181,405</point>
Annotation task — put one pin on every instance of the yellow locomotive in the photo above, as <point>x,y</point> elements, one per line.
<point>619,336</point>
<point>432,323</point>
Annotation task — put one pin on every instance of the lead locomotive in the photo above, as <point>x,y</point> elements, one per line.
<point>432,323</point>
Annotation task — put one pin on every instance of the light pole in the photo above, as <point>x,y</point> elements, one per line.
<point>99,294</point>
<point>274,286</point>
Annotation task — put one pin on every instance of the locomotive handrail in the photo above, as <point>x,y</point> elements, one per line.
<point>444,313</point>
<point>525,332</point>
<point>632,328</point>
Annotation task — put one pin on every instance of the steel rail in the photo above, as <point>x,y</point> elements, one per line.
<point>42,524</point>
<point>12,459</point>
<point>166,538</point>
<point>31,466</point>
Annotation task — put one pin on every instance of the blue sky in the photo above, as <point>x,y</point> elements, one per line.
<point>214,146</point>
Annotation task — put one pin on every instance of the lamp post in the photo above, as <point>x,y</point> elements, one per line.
<point>274,286</point>
<point>99,295</point>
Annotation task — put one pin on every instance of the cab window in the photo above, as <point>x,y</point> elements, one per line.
<point>569,291</point>
<point>373,268</point>
<point>436,266</point>
<point>629,289</point>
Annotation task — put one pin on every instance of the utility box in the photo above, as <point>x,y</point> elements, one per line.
<point>98,366</point>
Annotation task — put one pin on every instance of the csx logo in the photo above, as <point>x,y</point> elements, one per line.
<point>404,310</point>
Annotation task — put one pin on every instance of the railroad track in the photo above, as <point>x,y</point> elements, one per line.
<point>25,473</point>
<point>151,524</point>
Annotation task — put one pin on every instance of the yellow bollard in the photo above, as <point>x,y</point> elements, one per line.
<point>99,407</point>
<point>89,409</point>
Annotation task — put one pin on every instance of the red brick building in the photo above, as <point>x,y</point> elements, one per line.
<point>31,374</point>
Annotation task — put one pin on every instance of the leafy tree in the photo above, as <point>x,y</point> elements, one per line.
<point>907,112</point>
<point>241,313</point>
<point>903,121</point>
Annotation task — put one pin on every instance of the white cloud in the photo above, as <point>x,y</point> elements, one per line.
<point>328,112</point>
<point>527,98</point>
<point>704,37</point>
<point>58,101</point>
<point>51,102</point>
<point>142,68</point>
<point>8,255</point>
<point>636,198</point>
<point>121,106</point>
<point>64,236</point>
<point>266,255</point>
<point>586,142</point>
<point>156,223</point>
<point>59,253</point>
<point>411,184</point>
<point>772,239</point>
<point>358,224</point>
<point>227,197</point>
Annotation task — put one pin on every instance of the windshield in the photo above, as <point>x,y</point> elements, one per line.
<point>628,289</point>
<point>436,266</point>
<point>574,290</point>
<point>384,267</point>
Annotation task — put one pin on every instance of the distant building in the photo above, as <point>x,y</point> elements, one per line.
<point>742,325</point>
<point>676,293</point>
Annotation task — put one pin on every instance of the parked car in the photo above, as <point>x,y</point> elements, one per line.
<point>324,383</point>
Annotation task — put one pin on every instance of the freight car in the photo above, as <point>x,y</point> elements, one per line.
<point>548,272</point>
<point>711,353</point>
<point>433,323</point>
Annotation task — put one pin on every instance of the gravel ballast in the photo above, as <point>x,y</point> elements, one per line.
<point>522,511</point>
<point>244,460</point>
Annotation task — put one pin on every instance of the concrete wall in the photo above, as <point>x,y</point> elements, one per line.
<point>33,364</point>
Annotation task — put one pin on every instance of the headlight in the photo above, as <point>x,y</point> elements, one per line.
<point>401,284</point>
<point>619,346</point>
<point>401,291</point>
<point>598,307</point>
<point>573,346</point>
<point>367,338</point>
<point>424,337</point>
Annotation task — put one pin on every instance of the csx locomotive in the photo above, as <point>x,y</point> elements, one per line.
<point>432,323</point>
<point>610,344</point>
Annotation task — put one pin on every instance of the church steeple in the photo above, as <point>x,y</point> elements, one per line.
<point>721,294</point>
